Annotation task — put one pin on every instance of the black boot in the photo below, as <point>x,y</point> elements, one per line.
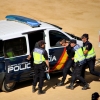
<point>40,91</point>
<point>33,89</point>
<point>86,86</point>
<point>60,83</point>
<point>71,86</point>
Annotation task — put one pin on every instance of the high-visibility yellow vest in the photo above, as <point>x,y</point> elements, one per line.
<point>79,56</point>
<point>90,53</point>
<point>38,56</point>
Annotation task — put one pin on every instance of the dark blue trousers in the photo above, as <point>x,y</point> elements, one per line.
<point>77,74</point>
<point>39,70</point>
<point>91,66</point>
<point>66,68</point>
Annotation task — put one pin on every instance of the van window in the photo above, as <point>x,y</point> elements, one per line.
<point>56,36</point>
<point>15,47</point>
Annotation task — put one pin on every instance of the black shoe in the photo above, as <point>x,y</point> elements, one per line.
<point>40,91</point>
<point>70,86</point>
<point>60,83</point>
<point>86,87</point>
<point>33,89</point>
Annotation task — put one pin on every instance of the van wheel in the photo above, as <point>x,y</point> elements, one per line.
<point>8,87</point>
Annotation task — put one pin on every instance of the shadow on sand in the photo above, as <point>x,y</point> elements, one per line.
<point>47,84</point>
<point>55,79</point>
<point>88,77</point>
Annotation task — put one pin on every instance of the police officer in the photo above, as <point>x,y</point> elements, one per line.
<point>89,54</point>
<point>79,60</point>
<point>68,64</point>
<point>40,61</point>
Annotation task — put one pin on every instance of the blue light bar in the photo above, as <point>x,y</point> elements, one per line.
<point>30,22</point>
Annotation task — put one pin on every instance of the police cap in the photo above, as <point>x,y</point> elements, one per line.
<point>85,36</point>
<point>73,41</point>
<point>95,95</point>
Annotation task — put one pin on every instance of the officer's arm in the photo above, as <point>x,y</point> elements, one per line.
<point>46,59</point>
<point>85,52</point>
<point>88,48</point>
<point>47,63</point>
<point>29,57</point>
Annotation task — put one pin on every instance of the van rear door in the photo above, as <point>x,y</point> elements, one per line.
<point>17,67</point>
<point>2,63</point>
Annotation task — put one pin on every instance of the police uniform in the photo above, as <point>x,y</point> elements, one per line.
<point>79,60</point>
<point>39,56</point>
<point>90,56</point>
<point>68,64</point>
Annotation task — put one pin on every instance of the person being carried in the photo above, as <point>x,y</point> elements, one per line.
<point>59,43</point>
<point>68,64</point>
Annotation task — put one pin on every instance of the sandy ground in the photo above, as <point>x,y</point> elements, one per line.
<point>74,16</point>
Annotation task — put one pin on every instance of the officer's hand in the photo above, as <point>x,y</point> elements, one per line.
<point>29,57</point>
<point>27,60</point>
<point>47,70</point>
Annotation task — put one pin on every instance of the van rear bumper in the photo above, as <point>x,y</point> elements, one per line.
<point>2,75</point>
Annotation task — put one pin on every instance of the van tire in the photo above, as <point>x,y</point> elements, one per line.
<point>5,88</point>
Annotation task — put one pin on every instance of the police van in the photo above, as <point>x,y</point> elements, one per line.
<point>18,36</point>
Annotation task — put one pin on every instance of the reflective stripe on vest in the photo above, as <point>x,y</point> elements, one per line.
<point>38,56</point>
<point>79,56</point>
<point>90,53</point>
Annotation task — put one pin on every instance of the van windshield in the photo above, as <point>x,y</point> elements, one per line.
<point>74,36</point>
<point>1,48</point>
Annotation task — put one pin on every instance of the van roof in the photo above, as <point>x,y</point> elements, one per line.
<point>11,27</point>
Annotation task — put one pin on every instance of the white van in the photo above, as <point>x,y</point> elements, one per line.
<point>18,36</point>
